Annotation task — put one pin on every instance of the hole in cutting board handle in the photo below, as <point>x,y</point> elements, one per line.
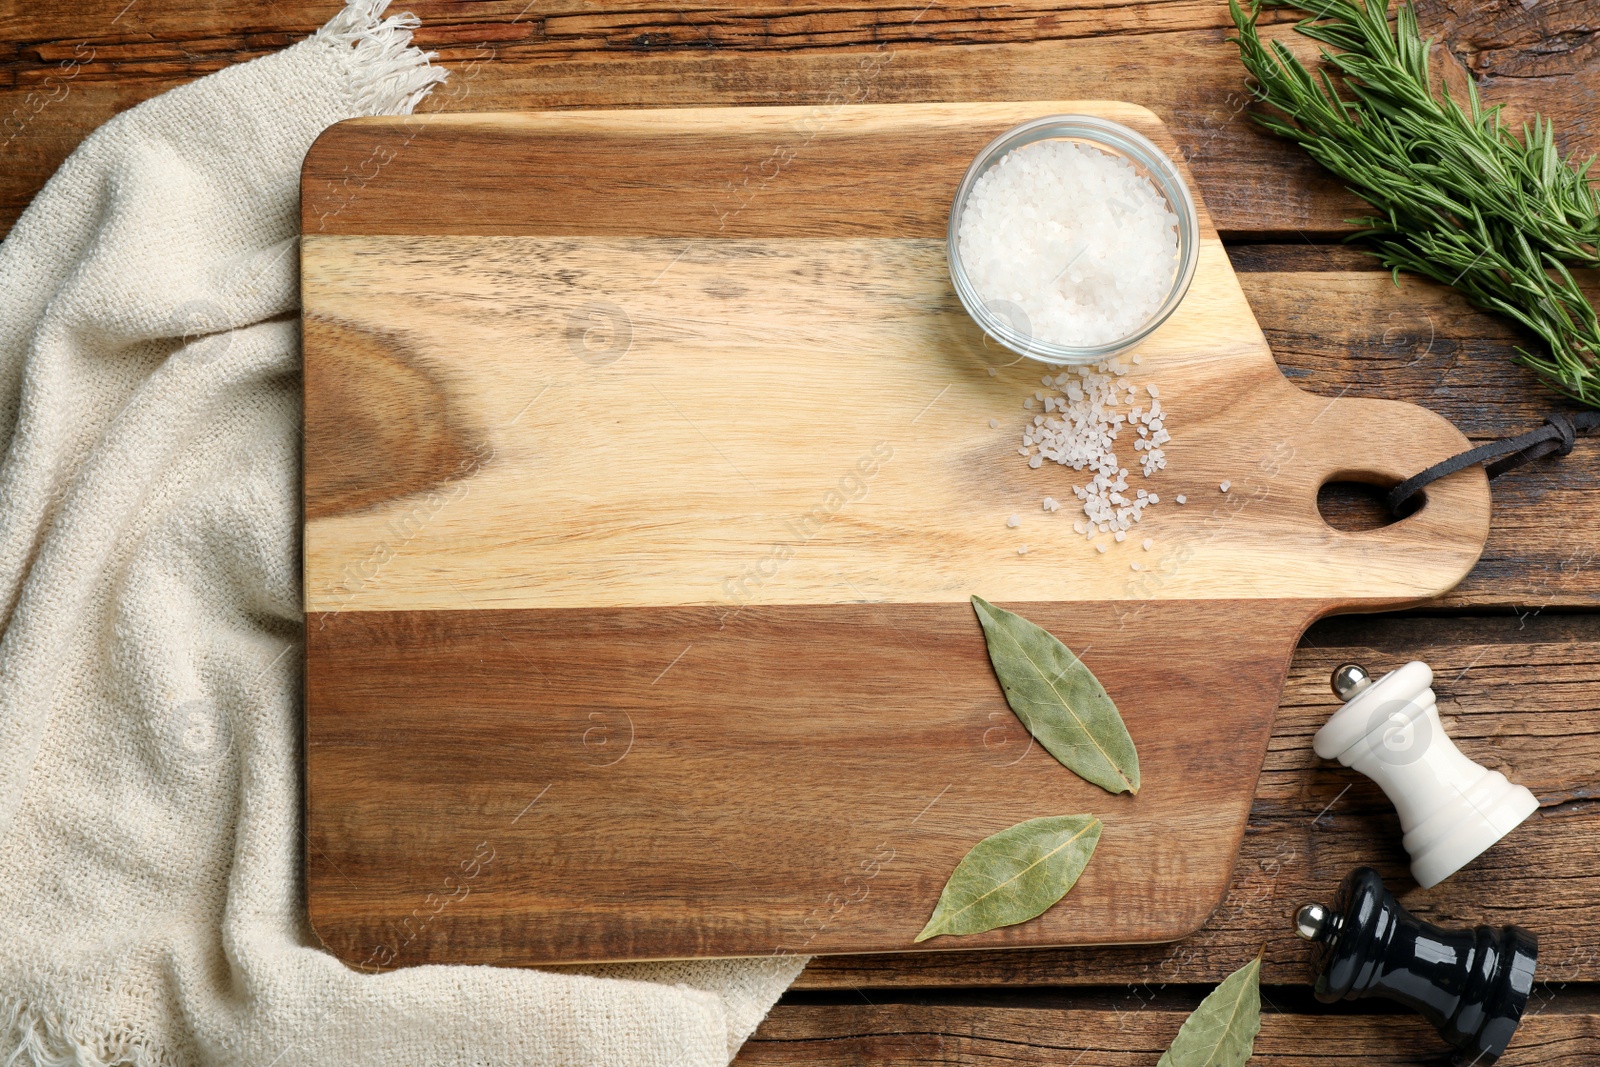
<point>1352,503</point>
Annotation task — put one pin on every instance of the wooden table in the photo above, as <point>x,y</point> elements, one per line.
<point>1516,647</point>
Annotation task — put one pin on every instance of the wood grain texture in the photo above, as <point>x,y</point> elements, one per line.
<point>64,68</point>
<point>759,173</point>
<point>1520,694</point>
<point>784,416</point>
<point>1336,329</point>
<point>775,356</point>
<point>820,440</point>
<point>1256,185</point>
<point>769,172</point>
<point>1253,183</point>
<point>668,783</point>
<point>394,433</point>
<point>1564,1034</point>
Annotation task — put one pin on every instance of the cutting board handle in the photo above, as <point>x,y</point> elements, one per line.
<point>1384,442</point>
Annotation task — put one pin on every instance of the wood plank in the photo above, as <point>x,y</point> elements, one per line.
<point>1535,57</point>
<point>567,26</point>
<point>770,173</point>
<point>670,783</point>
<point>1565,1033</point>
<point>1520,694</point>
<point>66,68</point>
<point>1258,186</point>
<point>1269,257</point>
<point>923,528</point>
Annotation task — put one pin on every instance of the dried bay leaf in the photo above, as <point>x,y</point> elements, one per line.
<point>1059,700</point>
<point>1221,1032</point>
<point>1014,875</point>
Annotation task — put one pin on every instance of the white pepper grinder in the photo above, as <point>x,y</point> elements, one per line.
<point>1451,809</point>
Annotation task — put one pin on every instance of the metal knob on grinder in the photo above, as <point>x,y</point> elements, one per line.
<point>1472,985</point>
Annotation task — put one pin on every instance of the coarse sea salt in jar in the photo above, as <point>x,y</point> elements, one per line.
<point>1071,239</point>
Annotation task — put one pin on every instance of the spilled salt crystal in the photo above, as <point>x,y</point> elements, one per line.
<point>1081,433</point>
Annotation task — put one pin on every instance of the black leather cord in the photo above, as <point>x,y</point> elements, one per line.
<point>1555,437</point>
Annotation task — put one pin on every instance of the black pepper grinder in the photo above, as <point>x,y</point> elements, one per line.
<point>1472,985</point>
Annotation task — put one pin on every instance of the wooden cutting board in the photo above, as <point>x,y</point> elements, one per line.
<point>648,472</point>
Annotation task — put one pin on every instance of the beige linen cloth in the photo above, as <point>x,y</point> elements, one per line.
<point>150,898</point>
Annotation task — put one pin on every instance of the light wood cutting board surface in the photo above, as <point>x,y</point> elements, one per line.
<point>648,474</point>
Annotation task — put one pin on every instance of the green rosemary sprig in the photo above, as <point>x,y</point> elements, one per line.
<point>1460,198</point>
